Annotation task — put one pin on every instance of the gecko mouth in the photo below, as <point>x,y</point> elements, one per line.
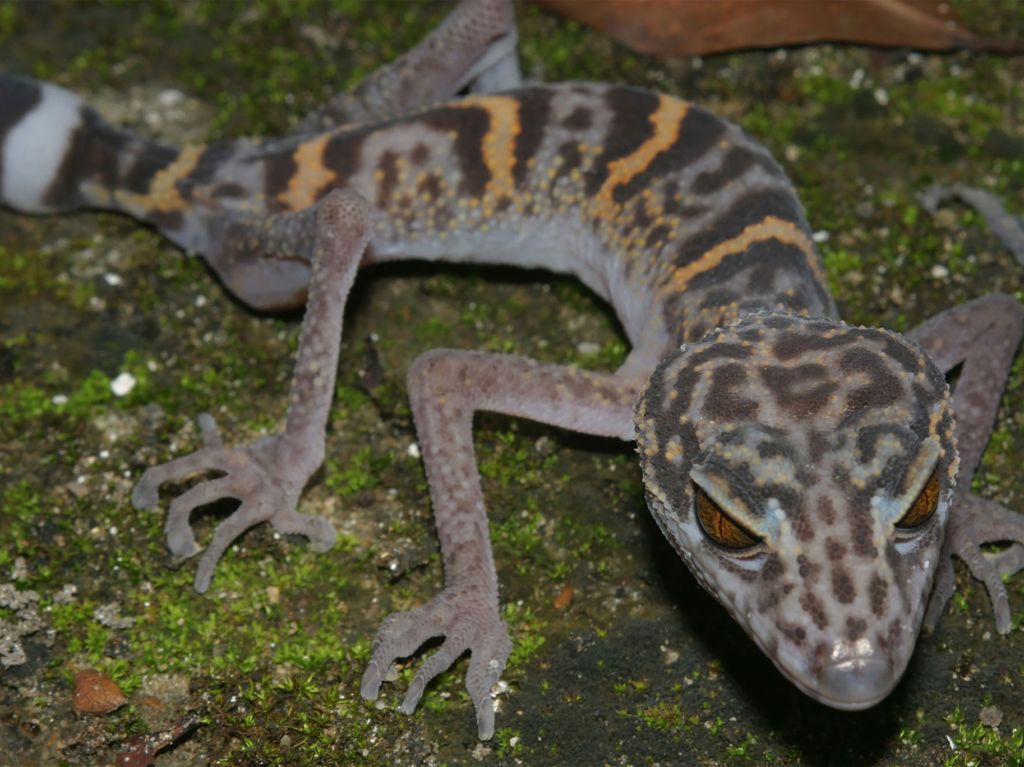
<point>855,683</point>
<point>853,677</point>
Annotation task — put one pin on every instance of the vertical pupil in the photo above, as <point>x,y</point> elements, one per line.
<point>924,505</point>
<point>718,526</point>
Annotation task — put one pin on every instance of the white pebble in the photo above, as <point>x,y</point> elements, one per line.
<point>123,384</point>
<point>170,97</point>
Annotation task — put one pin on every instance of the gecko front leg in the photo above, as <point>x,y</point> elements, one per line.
<point>446,388</point>
<point>982,335</point>
<point>474,46</point>
<point>268,475</point>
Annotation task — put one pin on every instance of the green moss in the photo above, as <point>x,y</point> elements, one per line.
<point>663,716</point>
<point>23,403</point>
<point>980,744</point>
<point>8,18</point>
<point>508,743</point>
<point>352,473</point>
<point>528,636</point>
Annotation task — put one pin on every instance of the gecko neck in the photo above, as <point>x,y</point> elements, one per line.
<point>699,318</point>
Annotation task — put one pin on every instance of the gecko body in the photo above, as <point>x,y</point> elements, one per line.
<point>806,471</point>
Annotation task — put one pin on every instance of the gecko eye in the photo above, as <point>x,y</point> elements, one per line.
<point>719,527</point>
<point>924,505</point>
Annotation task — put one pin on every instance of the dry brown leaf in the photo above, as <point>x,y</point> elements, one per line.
<point>690,27</point>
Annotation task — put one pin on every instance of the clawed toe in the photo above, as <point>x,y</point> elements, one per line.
<point>265,476</point>
<point>980,521</point>
<point>484,636</point>
<point>320,532</point>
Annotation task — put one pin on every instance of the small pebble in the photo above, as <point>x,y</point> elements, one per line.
<point>563,598</point>
<point>96,693</point>
<point>123,384</point>
<point>991,716</point>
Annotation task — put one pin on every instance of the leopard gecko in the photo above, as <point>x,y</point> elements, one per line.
<point>809,473</point>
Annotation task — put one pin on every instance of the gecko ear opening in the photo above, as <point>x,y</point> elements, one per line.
<point>923,507</point>
<point>722,529</point>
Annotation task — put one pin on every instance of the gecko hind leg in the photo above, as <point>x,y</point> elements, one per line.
<point>982,335</point>
<point>445,388</point>
<point>475,46</point>
<point>269,474</point>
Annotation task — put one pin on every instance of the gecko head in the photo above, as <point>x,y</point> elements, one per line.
<point>803,469</point>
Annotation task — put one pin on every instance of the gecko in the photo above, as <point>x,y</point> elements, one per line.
<point>812,475</point>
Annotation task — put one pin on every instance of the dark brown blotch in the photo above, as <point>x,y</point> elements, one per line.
<point>210,162</point>
<point>570,158</point>
<point>861,536</point>
<point>534,111</point>
<point>883,388</point>
<point>802,390</point>
<point>773,569</point>
<point>387,167</point>
<point>723,400</point>
<point>842,586</point>
<point>878,594</point>
<point>419,154</point>
<point>579,119</point>
<point>811,605</point>
<point>834,550</point>
<point>342,156</point>
<point>656,237</point>
<point>430,185</point>
<point>737,160</point>
<point>806,568</point>
<point>855,628</point>
<point>796,343</point>
<point>804,528</point>
<point>470,126</point>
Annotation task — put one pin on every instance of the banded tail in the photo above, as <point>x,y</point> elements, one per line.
<point>58,154</point>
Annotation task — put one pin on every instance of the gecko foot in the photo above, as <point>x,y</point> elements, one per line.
<point>267,476</point>
<point>468,620</point>
<point>975,521</point>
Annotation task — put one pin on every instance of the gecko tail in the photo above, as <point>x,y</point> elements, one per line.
<point>57,154</point>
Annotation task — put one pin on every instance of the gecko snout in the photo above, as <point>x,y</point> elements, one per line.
<point>855,675</point>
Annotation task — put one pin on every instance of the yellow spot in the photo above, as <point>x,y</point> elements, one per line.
<point>310,176</point>
<point>673,451</point>
<point>771,227</point>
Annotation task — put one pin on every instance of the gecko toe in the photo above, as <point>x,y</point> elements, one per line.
<point>145,495</point>
<point>211,433</point>
<point>485,721</point>
<point>320,532</point>
<point>468,623</point>
<point>369,687</point>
